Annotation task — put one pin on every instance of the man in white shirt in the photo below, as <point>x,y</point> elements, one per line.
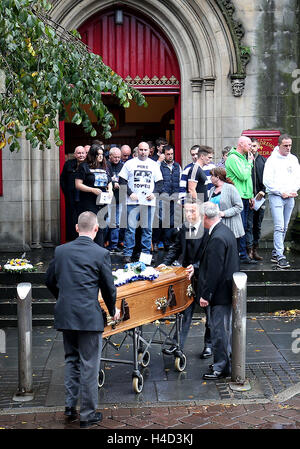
<point>282,180</point>
<point>143,179</point>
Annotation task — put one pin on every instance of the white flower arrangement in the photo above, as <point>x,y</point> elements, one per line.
<point>18,266</point>
<point>136,271</point>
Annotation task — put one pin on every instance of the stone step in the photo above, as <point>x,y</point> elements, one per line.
<point>253,275</point>
<point>38,292</point>
<point>35,277</point>
<point>272,304</point>
<point>39,306</point>
<point>265,288</point>
<point>42,310</point>
<point>276,275</point>
<point>284,289</point>
<point>38,320</point>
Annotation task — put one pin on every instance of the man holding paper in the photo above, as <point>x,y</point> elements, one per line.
<point>257,211</point>
<point>142,178</point>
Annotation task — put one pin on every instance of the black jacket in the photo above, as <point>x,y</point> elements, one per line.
<point>257,174</point>
<point>75,275</point>
<point>218,262</point>
<point>179,251</point>
<point>67,180</point>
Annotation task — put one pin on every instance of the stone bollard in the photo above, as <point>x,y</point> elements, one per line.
<point>239,319</point>
<point>24,299</point>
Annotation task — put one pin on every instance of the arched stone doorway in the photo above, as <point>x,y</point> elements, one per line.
<point>206,42</point>
<point>135,48</point>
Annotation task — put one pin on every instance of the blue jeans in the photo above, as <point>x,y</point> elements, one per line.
<point>244,217</point>
<point>114,214</point>
<point>138,216</point>
<point>281,210</point>
<point>255,218</point>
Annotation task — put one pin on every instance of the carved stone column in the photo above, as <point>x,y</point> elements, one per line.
<point>210,116</point>
<point>196,84</point>
<point>36,198</point>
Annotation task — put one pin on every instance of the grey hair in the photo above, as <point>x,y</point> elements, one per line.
<point>211,210</point>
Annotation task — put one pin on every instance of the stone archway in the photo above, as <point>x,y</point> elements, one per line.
<point>206,52</point>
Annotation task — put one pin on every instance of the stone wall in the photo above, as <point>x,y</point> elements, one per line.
<point>273,34</point>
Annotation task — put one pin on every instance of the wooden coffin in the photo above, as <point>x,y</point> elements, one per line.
<point>143,302</point>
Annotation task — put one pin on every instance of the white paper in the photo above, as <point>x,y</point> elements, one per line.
<point>258,203</point>
<point>103,198</point>
<point>146,258</point>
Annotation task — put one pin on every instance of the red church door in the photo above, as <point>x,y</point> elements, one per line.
<point>135,48</point>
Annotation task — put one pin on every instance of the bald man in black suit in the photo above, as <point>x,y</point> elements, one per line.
<point>79,269</point>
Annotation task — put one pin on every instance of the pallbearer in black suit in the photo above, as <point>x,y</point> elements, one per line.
<point>187,248</point>
<point>220,259</point>
<point>75,275</point>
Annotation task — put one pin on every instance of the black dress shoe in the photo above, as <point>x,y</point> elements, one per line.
<point>91,422</point>
<point>169,351</point>
<point>71,413</point>
<point>213,375</point>
<point>207,352</point>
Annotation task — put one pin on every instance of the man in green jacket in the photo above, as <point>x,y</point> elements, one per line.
<point>238,169</point>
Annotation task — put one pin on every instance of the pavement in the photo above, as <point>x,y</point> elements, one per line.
<point>171,402</point>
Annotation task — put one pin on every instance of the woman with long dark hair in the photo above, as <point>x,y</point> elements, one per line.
<point>225,194</point>
<point>93,179</point>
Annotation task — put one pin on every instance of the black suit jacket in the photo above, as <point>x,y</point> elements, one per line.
<point>219,260</point>
<point>180,251</point>
<point>75,275</point>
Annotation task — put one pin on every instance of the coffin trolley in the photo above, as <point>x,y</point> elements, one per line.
<point>144,302</point>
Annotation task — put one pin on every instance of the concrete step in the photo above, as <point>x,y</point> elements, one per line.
<point>276,275</point>
<point>39,306</point>
<point>272,304</point>
<point>39,291</point>
<point>42,310</point>
<point>284,289</point>
<point>38,320</point>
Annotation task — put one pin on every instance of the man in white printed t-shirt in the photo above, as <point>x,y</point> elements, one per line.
<point>143,179</point>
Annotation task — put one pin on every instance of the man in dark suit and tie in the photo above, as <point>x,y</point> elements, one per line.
<point>79,269</point>
<point>220,259</point>
<point>187,248</point>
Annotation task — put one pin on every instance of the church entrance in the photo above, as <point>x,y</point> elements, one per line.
<point>135,48</point>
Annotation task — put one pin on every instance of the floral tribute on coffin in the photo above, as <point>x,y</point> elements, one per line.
<point>136,271</point>
<point>18,266</point>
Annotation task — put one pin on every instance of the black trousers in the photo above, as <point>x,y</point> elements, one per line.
<point>82,364</point>
<point>221,336</point>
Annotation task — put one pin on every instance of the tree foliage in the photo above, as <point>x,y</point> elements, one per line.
<point>46,70</point>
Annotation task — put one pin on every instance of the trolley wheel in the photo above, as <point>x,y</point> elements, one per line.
<point>101,378</point>
<point>144,360</point>
<point>180,363</point>
<point>138,384</point>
